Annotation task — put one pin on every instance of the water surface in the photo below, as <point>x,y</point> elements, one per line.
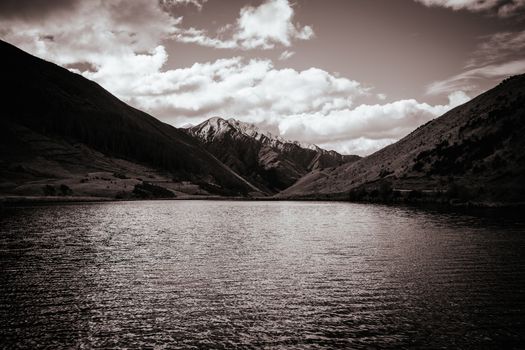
<point>220,274</point>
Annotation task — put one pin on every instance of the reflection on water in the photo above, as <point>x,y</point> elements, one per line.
<point>184,274</point>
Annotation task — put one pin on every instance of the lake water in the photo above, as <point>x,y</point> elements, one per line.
<point>232,274</point>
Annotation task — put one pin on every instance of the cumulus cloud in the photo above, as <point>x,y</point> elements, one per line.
<point>502,8</point>
<point>366,128</point>
<point>269,23</point>
<point>253,90</point>
<point>98,33</point>
<point>361,146</point>
<point>262,27</point>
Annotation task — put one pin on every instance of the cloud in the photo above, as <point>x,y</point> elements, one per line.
<point>498,56</point>
<point>170,4</point>
<point>269,23</point>
<point>360,146</point>
<point>501,8</point>
<point>253,90</point>
<point>116,41</point>
<point>312,105</point>
<point>33,9</point>
<point>471,5</point>
<point>512,8</point>
<point>498,48</point>
<point>95,32</point>
<point>468,80</point>
<point>118,44</point>
<point>366,128</point>
<point>286,55</point>
<point>202,38</point>
<point>262,27</point>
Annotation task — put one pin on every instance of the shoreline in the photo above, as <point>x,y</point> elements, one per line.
<point>22,201</point>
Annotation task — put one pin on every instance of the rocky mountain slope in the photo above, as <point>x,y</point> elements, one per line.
<point>474,152</point>
<point>57,127</point>
<point>268,161</point>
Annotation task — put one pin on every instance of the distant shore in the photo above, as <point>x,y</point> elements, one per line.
<point>15,201</point>
<point>9,201</point>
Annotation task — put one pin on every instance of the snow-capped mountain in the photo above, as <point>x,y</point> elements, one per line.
<point>266,160</point>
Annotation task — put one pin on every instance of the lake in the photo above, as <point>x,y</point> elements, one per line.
<point>240,274</point>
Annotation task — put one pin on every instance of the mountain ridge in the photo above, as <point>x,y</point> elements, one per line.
<point>270,161</point>
<point>47,102</point>
<point>475,147</point>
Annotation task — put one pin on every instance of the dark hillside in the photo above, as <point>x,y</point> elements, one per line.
<point>58,104</point>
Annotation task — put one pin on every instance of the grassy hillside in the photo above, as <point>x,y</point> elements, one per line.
<point>50,102</point>
<point>474,152</point>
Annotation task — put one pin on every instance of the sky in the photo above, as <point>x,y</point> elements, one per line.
<point>348,75</point>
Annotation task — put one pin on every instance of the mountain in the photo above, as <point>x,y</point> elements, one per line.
<point>268,161</point>
<point>61,134</point>
<point>475,152</point>
<point>57,127</point>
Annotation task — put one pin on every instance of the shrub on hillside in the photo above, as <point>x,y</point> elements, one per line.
<point>148,190</point>
<point>65,190</point>
<point>49,190</point>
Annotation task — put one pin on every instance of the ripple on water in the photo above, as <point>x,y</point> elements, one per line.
<point>259,274</point>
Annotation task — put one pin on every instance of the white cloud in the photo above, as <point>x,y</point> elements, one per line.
<point>269,23</point>
<point>174,3</point>
<point>512,8</point>
<point>502,8</point>
<point>468,80</point>
<point>360,146</point>
<point>365,128</point>
<point>253,90</point>
<point>286,55</point>
<point>97,32</point>
<point>498,56</point>
<point>471,5</point>
<point>498,48</point>
<point>201,37</point>
<point>262,27</point>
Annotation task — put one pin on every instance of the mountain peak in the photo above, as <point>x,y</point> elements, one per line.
<point>218,125</point>
<point>267,160</point>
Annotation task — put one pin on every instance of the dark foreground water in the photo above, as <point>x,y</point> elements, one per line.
<point>205,274</point>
